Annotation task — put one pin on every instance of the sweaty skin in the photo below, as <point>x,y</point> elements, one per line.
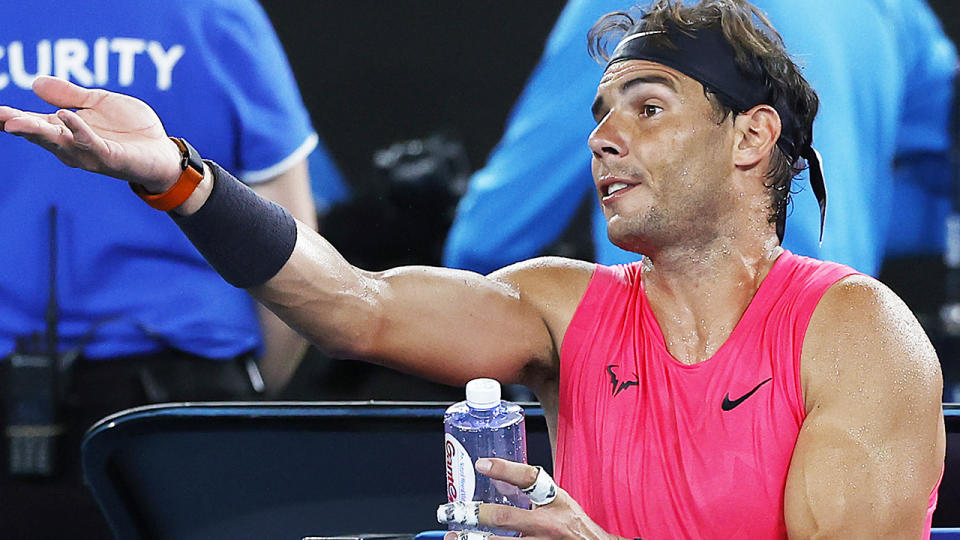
<point>871,448</point>
<point>284,347</point>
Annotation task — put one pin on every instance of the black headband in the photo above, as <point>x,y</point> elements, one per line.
<point>707,57</point>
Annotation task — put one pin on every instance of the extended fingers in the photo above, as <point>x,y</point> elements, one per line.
<point>501,516</point>
<point>518,474</point>
<point>478,535</point>
<point>533,481</point>
<point>84,137</point>
<point>40,129</point>
<point>466,513</point>
<point>64,133</point>
<point>498,516</point>
<point>8,113</point>
<point>64,94</point>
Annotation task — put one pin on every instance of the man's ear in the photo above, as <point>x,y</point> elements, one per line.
<point>757,132</point>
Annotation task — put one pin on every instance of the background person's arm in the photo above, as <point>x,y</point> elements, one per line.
<point>871,448</point>
<point>542,159</point>
<point>283,347</point>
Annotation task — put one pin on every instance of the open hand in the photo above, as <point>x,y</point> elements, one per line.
<point>99,131</point>
<point>561,518</point>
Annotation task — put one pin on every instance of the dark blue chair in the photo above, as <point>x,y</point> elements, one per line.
<point>290,470</point>
<point>947,514</point>
<point>274,470</point>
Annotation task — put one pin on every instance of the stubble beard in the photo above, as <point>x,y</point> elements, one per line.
<point>692,223</point>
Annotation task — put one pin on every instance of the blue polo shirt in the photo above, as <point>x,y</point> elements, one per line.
<point>884,74</point>
<point>128,280</point>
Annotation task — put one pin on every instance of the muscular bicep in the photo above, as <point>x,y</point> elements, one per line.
<point>871,447</point>
<point>453,325</point>
<point>443,324</point>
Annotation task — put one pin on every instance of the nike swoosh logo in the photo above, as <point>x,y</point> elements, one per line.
<point>729,405</point>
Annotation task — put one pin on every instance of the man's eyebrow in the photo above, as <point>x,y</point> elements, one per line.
<point>643,79</point>
<point>648,79</point>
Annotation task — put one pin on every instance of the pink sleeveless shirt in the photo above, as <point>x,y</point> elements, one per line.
<point>654,448</point>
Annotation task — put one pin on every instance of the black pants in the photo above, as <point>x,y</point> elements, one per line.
<point>61,507</point>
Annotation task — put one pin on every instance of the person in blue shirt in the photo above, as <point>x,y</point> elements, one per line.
<point>883,70</point>
<point>149,318</point>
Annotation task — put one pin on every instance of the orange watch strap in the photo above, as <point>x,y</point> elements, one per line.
<point>184,187</point>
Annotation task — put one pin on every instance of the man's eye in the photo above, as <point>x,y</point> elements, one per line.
<point>650,110</point>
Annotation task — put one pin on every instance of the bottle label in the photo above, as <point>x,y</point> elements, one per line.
<point>461,479</point>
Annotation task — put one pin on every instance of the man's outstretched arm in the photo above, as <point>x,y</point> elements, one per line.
<point>283,347</point>
<point>447,325</point>
<point>443,324</point>
<point>871,448</point>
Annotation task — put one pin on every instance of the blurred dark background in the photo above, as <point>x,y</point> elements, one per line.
<point>378,74</point>
<point>375,72</point>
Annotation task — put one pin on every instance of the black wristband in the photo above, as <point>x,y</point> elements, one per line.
<point>245,238</point>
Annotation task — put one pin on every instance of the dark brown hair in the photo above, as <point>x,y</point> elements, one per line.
<point>760,53</point>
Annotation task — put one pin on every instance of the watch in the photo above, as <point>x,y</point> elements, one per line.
<point>192,166</point>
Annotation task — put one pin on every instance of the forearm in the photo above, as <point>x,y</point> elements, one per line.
<point>257,245</point>
<point>324,297</point>
<point>446,325</point>
<point>284,347</point>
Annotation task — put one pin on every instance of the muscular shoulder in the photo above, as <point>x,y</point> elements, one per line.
<point>864,341</point>
<point>552,285</point>
<point>543,272</point>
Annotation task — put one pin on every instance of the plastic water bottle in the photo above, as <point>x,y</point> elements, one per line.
<point>483,426</point>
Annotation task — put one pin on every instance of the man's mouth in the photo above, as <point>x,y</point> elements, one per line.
<point>615,187</point>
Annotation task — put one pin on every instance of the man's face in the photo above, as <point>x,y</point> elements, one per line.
<point>661,157</point>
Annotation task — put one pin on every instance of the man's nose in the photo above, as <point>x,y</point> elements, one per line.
<point>607,140</point>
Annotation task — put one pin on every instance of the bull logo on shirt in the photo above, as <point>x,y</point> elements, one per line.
<point>618,385</point>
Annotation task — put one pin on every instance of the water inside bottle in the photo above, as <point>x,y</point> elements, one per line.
<point>474,433</point>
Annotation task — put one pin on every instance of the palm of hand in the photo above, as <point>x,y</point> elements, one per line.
<point>108,133</point>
